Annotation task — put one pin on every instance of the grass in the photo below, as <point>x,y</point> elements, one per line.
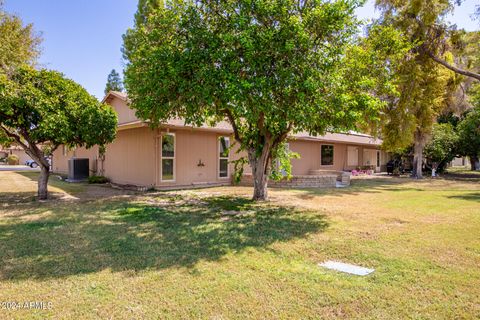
<point>212,253</point>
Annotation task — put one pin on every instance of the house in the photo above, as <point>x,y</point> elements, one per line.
<point>16,150</point>
<point>179,155</point>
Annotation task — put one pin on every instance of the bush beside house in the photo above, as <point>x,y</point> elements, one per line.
<point>13,159</point>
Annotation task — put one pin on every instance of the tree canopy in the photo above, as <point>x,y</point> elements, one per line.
<point>442,147</point>
<point>43,107</point>
<point>268,67</point>
<point>114,82</point>
<point>425,88</point>
<point>469,135</point>
<point>18,42</point>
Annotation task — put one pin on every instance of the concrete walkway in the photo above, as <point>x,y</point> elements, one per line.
<point>6,167</point>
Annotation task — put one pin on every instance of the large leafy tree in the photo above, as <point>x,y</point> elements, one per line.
<point>441,36</point>
<point>145,7</point>
<point>19,45</point>
<point>114,82</point>
<point>425,87</point>
<point>270,67</point>
<point>41,107</point>
<point>18,42</point>
<point>442,147</point>
<point>469,135</point>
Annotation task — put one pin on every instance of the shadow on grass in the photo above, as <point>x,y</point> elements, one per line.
<point>474,196</point>
<point>62,240</point>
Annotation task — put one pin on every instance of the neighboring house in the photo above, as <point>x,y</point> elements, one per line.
<point>176,155</point>
<point>460,162</point>
<point>16,150</point>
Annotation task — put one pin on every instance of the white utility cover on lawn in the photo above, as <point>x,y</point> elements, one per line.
<point>345,267</point>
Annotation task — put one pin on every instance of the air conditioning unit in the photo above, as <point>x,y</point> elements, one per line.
<point>78,169</point>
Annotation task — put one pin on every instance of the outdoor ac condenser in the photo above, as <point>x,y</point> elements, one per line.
<point>78,169</point>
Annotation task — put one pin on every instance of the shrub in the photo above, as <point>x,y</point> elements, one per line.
<point>13,159</point>
<point>396,171</point>
<point>97,179</point>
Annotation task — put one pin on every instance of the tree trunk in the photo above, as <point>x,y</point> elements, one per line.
<point>418,155</point>
<point>43,182</point>
<point>260,173</point>
<point>473,161</point>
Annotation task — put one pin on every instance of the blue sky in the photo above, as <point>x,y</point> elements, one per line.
<point>83,38</point>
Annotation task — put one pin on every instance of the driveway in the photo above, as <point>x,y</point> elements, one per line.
<point>5,167</point>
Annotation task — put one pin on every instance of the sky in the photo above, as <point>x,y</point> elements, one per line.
<point>83,38</point>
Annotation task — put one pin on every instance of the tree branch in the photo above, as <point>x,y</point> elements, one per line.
<point>231,119</point>
<point>453,68</point>
<point>14,137</point>
<point>283,136</point>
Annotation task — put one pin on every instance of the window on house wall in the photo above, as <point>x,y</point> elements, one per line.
<point>168,157</point>
<point>352,156</point>
<point>327,155</point>
<point>64,150</point>
<point>224,150</point>
<point>378,158</point>
<point>277,161</point>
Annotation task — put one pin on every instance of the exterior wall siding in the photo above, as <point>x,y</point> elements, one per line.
<point>134,158</point>
<point>22,155</point>
<point>196,159</point>
<point>130,159</point>
<point>60,161</point>
<point>124,113</point>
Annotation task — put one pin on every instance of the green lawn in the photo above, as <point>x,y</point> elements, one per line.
<point>213,254</point>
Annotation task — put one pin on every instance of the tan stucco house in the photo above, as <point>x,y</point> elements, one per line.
<point>16,150</point>
<point>176,155</point>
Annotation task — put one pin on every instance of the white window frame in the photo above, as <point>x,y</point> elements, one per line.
<point>168,158</point>
<point>333,155</point>
<point>220,158</point>
<point>277,161</point>
<point>64,150</point>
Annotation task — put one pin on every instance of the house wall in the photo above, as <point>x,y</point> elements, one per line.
<point>309,152</point>
<point>124,113</point>
<point>60,159</point>
<point>22,155</point>
<point>130,158</point>
<point>194,147</point>
<point>310,156</point>
<point>135,158</point>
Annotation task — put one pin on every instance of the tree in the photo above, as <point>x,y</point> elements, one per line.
<point>144,8</point>
<point>114,83</point>
<point>469,136</point>
<point>18,43</point>
<point>430,17</point>
<point>425,88</point>
<point>442,147</point>
<point>43,107</point>
<point>269,67</point>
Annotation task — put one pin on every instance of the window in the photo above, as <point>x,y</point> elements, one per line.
<point>223,150</point>
<point>64,150</point>
<point>327,155</point>
<point>277,163</point>
<point>352,156</point>
<point>378,158</point>
<point>168,157</point>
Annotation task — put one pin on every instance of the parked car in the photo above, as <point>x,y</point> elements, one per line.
<point>33,164</point>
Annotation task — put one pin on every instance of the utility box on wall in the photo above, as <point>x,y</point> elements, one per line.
<point>78,169</point>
